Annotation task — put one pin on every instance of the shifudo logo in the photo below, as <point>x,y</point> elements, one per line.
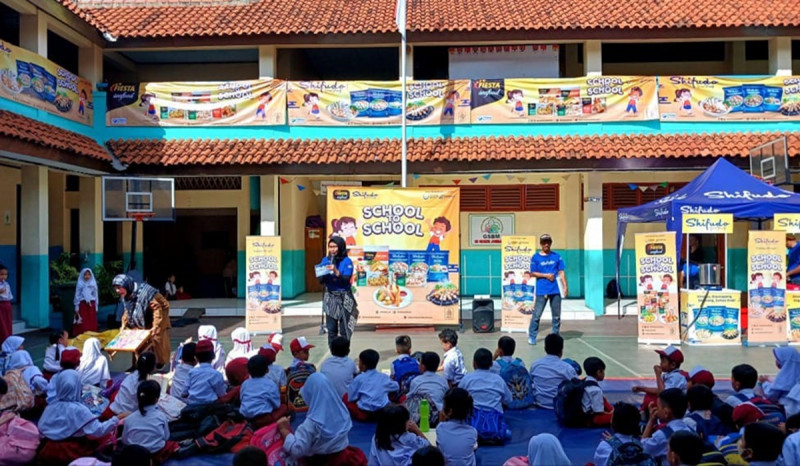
<point>655,249</point>
<point>341,194</point>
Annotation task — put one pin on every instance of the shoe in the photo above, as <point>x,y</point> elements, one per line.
<point>532,341</point>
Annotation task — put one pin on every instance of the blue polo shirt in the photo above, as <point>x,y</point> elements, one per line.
<point>794,258</point>
<point>342,282</point>
<point>550,263</point>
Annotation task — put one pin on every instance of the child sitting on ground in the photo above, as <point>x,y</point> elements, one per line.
<point>148,427</point>
<point>787,359</point>
<point>685,449</point>
<point>261,398</point>
<point>339,369</point>
<point>549,371</point>
<point>276,372</point>
<point>370,390</point>
<point>429,383</point>
<point>489,392</point>
<point>598,410</point>
<point>70,360</point>
<point>125,401</point>
<point>453,360</point>
<point>625,424</point>
<point>700,418</point>
<point>404,368</point>
<point>94,365</point>
<point>701,376</point>
<point>52,355</point>
<point>762,444</point>
<point>668,375</point>
<point>504,352</point>
<point>427,456</point>
<point>299,347</point>
<point>455,437</point>
<point>205,384</point>
<point>670,408</point>
<point>744,378</point>
<point>396,437</point>
<point>209,333</point>
<point>180,377</point>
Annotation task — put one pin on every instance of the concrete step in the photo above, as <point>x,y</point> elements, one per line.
<point>627,307</point>
<point>18,327</point>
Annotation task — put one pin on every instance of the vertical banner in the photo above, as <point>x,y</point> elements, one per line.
<point>517,284</point>
<point>263,269</point>
<point>657,287</point>
<point>793,309</point>
<point>405,247</point>
<point>766,289</point>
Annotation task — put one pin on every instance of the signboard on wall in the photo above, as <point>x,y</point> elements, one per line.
<point>517,284</point>
<point>766,288</point>
<point>657,287</point>
<point>405,247</point>
<point>487,230</point>
<point>263,277</point>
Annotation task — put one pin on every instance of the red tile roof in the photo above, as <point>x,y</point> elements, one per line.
<point>241,152</point>
<point>29,130</point>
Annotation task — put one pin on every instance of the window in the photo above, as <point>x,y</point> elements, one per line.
<point>619,195</point>
<point>529,197</point>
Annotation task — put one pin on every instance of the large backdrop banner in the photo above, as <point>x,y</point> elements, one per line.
<point>263,275</point>
<point>405,248</point>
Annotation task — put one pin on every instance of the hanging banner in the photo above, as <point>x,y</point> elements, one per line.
<point>707,223</point>
<point>766,270</point>
<point>31,79</point>
<point>259,102</point>
<point>711,319</point>
<point>338,103</point>
<point>405,247</point>
<point>657,287</point>
<point>793,310</point>
<point>790,223</point>
<point>602,98</point>
<point>263,275</point>
<point>715,98</point>
<point>517,284</point>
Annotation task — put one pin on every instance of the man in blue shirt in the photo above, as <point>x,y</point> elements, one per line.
<point>793,262</point>
<point>548,269</point>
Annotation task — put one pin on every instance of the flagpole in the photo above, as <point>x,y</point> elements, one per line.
<point>401,26</point>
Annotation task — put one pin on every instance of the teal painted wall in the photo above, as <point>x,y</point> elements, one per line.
<point>92,259</point>
<point>126,260</point>
<point>593,282</point>
<point>35,295</point>
<point>241,274</point>
<point>255,193</point>
<point>293,269</point>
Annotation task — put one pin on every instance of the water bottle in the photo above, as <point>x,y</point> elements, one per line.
<point>424,416</point>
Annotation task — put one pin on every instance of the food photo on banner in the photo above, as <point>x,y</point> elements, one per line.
<point>715,315</point>
<point>518,286</point>
<point>30,79</point>
<point>263,278</point>
<point>657,287</point>
<point>766,289</point>
<point>405,248</point>
<point>260,102</point>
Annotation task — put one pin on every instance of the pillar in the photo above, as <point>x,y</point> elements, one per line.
<point>572,68</point>
<point>91,218</point>
<point>735,56</point>
<point>35,290</point>
<point>593,243</point>
<point>33,33</point>
<point>593,58</point>
<point>409,62</point>
<point>571,205</point>
<point>90,63</point>
<point>267,61</point>
<point>270,206</point>
<point>58,236</point>
<point>780,56</point>
<point>242,230</point>
<point>127,229</point>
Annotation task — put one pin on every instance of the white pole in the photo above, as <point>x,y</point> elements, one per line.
<point>401,26</point>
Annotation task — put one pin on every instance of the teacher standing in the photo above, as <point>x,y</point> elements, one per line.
<point>547,267</point>
<point>145,309</point>
<point>338,301</point>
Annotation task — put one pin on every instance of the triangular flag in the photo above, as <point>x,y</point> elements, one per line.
<point>317,192</point>
<point>632,186</point>
<point>456,181</point>
<point>486,177</point>
<point>521,179</point>
<point>285,180</point>
<point>391,183</point>
<point>416,177</point>
<point>545,180</point>
<point>643,188</point>
<point>301,187</point>
<point>472,180</point>
<point>664,184</point>
<point>439,181</point>
<point>510,177</point>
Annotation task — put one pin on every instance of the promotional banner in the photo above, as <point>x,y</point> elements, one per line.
<point>657,287</point>
<point>717,322</point>
<point>790,223</point>
<point>405,248</point>
<point>707,223</point>
<point>715,98</point>
<point>766,271</point>
<point>518,285</point>
<point>602,98</point>
<point>364,103</point>
<point>31,79</point>
<point>488,230</point>
<point>259,102</point>
<point>263,275</point>
<point>793,309</point>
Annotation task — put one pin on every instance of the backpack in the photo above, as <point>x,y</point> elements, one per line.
<point>519,382</point>
<point>230,436</point>
<point>270,441</point>
<point>20,396</point>
<point>773,413</point>
<point>19,439</point>
<point>708,428</point>
<point>628,454</point>
<point>492,428</point>
<point>405,369</point>
<point>296,378</point>
<point>568,402</point>
<point>413,402</point>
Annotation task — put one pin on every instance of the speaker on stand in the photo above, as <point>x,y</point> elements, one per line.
<point>482,315</point>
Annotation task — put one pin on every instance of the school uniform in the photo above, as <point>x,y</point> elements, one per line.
<point>180,378</point>
<point>52,386</point>
<point>340,372</point>
<point>453,365</point>
<point>547,373</point>
<point>21,360</point>
<point>735,399</point>
<point>489,391</point>
<point>399,358</point>
<point>51,364</point>
<point>431,384</point>
<point>259,396</point>
<point>595,405</point>
<point>149,430</point>
<point>296,362</point>
<point>209,332</point>
<point>368,393</point>
<point>278,375</point>
<point>5,310</point>
<point>496,367</point>
<point>604,449</point>
<point>403,448</point>
<point>86,304</point>
<point>656,445</point>
<point>94,365</point>
<point>457,441</point>
<point>674,379</point>
<point>205,385</point>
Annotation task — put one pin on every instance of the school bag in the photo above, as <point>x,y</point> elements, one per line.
<point>412,404</point>
<point>519,382</point>
<point>19,440</point>
<point>773,413</point>
<point>568,402</point>
<point>492,428</point>
<point>20,396</point>
<point>270,441</point>
<point>708,428</point>
<point>230,436</point>
<point>295,380</point>
<point>628,454</point>
<point>405,369</point>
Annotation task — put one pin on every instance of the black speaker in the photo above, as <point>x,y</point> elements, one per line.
<point>482,315</point>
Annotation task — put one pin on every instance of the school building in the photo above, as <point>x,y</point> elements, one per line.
<point>565,179</point>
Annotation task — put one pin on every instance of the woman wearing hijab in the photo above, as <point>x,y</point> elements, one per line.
<point>145,308</point>
<point>546,450</point>
<point>85,303</point>
<point>94,365</point>
<point>338,302</point>
<point>209,332</point>
<point>788,361</point>
<point>242,345</point>
<point>10,345</point>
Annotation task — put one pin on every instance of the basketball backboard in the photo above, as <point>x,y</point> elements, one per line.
<point>770,162</point>
<point>127,199</point>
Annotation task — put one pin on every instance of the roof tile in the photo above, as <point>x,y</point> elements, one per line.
<point>27,129</point>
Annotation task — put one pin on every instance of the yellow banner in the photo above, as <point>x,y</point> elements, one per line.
<point>30,79</point>
<point>405,247</point>
<point>766,271</point>
<point>259,102</point>
<point>657,287</point>
<point>263,275</point>
<point>789,223</point>
<point>715,98</point>
<point>717,322</point>
<point>337,103</point>
<point>517,284</point>
<point>793,310</point>
<point>707,223</point>
<point>602,98</point>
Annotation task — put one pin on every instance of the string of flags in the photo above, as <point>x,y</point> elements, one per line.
<point>472,180</point>
<point>504,48</point>
<point>643,188</point>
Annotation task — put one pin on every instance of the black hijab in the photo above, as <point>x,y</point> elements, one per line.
<point>341,252</point>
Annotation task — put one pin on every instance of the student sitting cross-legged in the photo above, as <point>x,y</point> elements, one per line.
<point>370,391</point>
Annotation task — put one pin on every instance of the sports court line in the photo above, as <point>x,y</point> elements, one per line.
<point>607,356</point>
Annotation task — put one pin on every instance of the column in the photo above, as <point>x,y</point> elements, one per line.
<point>593,243</point>
<point>735,56</point>
<point>267,61</point>
<point>127,229</point>
<point>593,58</point>
<point>242,230</point>
<point>33,33</point>
<point>571,206</point>
<point>409,62</point>
<point>91,218</point>
<point>780,56</point>
<point>270,206</point>
<point>59,230</point>
<point>35,290</point>
<point>90,63</point>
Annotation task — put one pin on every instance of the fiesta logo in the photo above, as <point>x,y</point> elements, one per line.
<point>341,194</point>
<point>655,249</point>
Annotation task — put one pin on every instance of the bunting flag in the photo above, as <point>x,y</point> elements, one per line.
<point>472,180</point>
<point>317,192</point>
<point>487,176</point>
<point>391,183</point>
<point>300,187</point>
<point>643,188</point>
<point>509,177</point>
<point>285,180</point>
<point>632,186</point>
<point>545,180</point>
<point>521,179</point>
<point>456,181</point>
<point>416,176</point>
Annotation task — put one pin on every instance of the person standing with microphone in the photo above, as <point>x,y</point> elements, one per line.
<point>338,302</point>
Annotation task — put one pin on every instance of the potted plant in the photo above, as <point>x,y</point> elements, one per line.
<point>63,278</point>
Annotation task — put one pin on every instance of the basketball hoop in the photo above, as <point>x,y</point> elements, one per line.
<point>140,216</point>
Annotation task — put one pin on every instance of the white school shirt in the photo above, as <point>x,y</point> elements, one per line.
<point>308,440</point>
<point>692,422</point>
<point>454,369</point>
<point>5,291</point>
<point>674,379</point>
<point>205,384</point>
<point>94,428</point>
<point>734,400</point>
<point>370,390</point>
<point>126,401</point>
<point>604,449</point>
<point>457,440</point>
<point>488,390</point>
<point>170,289</point>
<point>496,368</point>
<point>547,374</point>
<point>431,384</point>
<point>278,375</point>
<point>150,431</point>
<point>50,363</point>
<point>340,372</point>
<point>656,445</point>
<point>592,400</point>
<point>258,395</point>
<point>180,377</point>
<point>404,447</point>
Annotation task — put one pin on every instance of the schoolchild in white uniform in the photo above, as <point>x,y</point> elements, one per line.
<point>94,365</point>
<point>209,332</point>
<point>205,384</point>
<point>242,345</point>
<point>370,391</point>
<point>453,361</point>
<point>180,376</point>
<point>148,427</point>
<point>126,401</point>
<point>429,382</point>
<point>260,396</point>
<point>339,369</point>
<point>548,372</point>
<point>396,438</point>
<point>487,389</point>
<point>455,437</point>
<point>276,372</point>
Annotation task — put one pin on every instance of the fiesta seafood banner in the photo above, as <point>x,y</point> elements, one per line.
<point>30,79</point>
<point>263,276</point>
<point>793,309</point>
<point>517,284</point>
<point>601,98</point>
<point>766,290</point>
<point>711,319</point>
<point>405,248</point>
<point>337,103</point>
<point>715,98</point>
<point>657,287</point>
<point>259,102</point>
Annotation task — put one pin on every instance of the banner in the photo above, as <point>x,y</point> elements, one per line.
<point>487,230</point>
<point>657,290</point>
<point>359,103</point>
<point>793,310</point>
<point>790,223</point>
<point>715,98</point>
<point>707,223</point>
<point>259,102</point>
<point>717,322</point>
<point>602,98</point>
<point>263,275</point>
<point>518,285</point>
<point>766,271</point>
<point>404,244</point>
<point>31,79</point>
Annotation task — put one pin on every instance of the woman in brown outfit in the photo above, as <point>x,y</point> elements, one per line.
<point>146,308</point>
